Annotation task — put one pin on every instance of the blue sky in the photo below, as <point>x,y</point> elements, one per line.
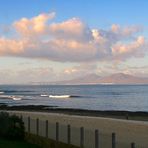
<point>94,12</point>
<point>115,31</point>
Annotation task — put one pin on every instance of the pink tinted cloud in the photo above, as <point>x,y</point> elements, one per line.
<point>126,31</point>
<point>136,48</point>
<point>72,29</point>
<point>33,26</point>
<point>71,40</point>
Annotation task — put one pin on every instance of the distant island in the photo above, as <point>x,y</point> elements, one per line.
<point>118,78</point>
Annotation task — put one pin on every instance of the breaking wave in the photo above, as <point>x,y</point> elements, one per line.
<point>2,92</point>
<point>60,96</point>
<point>16,98</point>
<point>42,95</point>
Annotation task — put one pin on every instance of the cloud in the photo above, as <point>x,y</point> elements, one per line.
<point>33,26</point>
<point>72,29</point>
<point>125,32</point>
<point>78,70</point>
<point>28,75</point>
<point>81,69</point>
<point>71,41</point>
<point>136,48</point>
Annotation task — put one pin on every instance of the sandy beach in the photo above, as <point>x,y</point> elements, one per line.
<point>127,131</point>
<point>128,126</point>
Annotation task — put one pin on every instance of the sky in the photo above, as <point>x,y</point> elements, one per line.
<point>52,40</point>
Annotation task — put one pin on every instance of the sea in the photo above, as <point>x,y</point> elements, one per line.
<point>89,97</point>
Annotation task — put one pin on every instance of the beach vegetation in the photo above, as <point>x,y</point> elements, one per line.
<point>11,127</point>
<point>5,143</point>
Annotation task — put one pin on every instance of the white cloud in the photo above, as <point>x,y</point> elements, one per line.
<point>34,26</point>
<point>71,40</point>
<point>135,48</point>
<point>80,70</point>
<point>72,29</point>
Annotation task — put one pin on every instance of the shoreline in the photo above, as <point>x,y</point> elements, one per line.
<point>117,114</point>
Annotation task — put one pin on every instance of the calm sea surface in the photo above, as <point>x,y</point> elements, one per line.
<point>92,97</point>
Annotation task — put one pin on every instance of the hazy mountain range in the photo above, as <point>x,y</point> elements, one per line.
<point>119,78</point>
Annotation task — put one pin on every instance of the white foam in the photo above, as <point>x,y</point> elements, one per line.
<point>59,96</point>
<point>44,95</point>
<point>1,92</point>
<point>5,96</point>
<point>16,98</point>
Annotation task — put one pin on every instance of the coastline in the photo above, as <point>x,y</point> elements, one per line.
<point>117,114</point>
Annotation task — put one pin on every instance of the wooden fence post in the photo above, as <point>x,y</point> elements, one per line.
<point>113,140</point>
<point>46,129</point>
<point>28,124</point>
<point>96,138</point>
<point>37,126</point>
<point>82,137</point>
<point>68,134</point>
<point>57,131</point>
<point>21,117</point>
<point>133,145</point>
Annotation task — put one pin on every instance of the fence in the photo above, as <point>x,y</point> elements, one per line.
<point>99,133</point>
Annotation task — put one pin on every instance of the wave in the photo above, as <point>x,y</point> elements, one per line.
<point>15,91</point>
<point>4,96</point>
<point>59,96</point>
<point>2,92</point>
<point>42,95</point>
<point>64,96</point>
<point>16,98</point>
<point>74,96</point>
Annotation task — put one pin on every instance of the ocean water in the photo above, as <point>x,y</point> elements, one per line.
<point>91,97</point>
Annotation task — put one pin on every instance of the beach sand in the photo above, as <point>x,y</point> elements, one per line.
<point>127,131</point>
